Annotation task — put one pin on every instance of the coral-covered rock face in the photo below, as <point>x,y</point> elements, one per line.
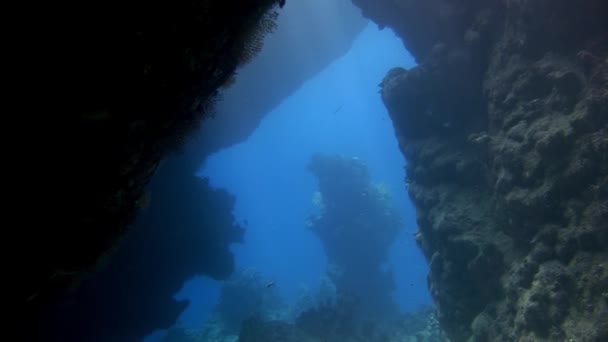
<point>356,226</point>
<point>507,159</point>
<point>337,322</point>
<point>244,295</point>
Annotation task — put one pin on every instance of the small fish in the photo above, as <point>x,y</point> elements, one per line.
<point>32,297</point>
<point>270,284</point>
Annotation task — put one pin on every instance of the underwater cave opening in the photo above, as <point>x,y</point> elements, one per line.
<point>336,112</point>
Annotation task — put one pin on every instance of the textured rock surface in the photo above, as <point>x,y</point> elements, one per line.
<point>356,224</point>
<point>335,322</point>
<point>505,127</point>
<point>326,322</point>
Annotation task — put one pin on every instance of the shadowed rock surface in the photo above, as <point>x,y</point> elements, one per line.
<point>310,35</point>
<point>185,230</point>
<point>504,126</point>
<point>125,109</point>
<point>114,113</point>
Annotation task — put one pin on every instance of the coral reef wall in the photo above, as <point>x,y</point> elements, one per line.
<point>338,321</point>
<point>504,124</point>
<point>356,225</point>
<point>247,293</point>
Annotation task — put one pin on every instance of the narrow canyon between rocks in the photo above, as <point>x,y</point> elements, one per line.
<point>315,171</point>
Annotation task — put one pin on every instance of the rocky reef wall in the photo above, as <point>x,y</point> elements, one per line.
<point>504,124</point>
<point>338,322</point>
<point>356,223</point>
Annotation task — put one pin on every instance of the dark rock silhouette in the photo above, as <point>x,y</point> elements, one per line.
<point>129,108</point>
<point>292,54</point>
<point>117,109</point>
<point>186,230</point>
<point>356,225</point>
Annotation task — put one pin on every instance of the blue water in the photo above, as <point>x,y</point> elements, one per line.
<point>339,111</point>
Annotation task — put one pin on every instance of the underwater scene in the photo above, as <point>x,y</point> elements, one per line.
<point>322,171</point>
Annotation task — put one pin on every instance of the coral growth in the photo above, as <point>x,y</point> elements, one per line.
<point>337,322</point>
<point>246,295</point>
<point>356,226</point>
<point>329,321</point>
<point>503,123</point>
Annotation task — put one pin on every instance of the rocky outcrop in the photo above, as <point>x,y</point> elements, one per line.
<point>185,229</point>
<point>504,125</point>
<point>356,224</point>
<point>113,111</point>
<point>337,322</point>
<point>292,54</point>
